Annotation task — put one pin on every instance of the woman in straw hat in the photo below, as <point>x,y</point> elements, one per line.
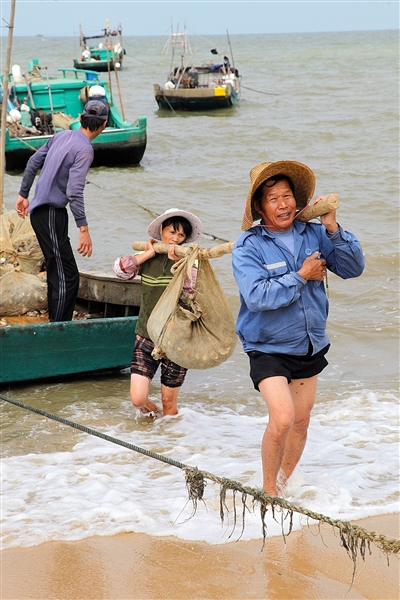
<point>174,227</point>
<point>279,265</point>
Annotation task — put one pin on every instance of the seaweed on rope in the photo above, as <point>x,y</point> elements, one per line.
<point>356,540</point>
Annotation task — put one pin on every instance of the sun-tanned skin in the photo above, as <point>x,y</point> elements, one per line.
<point>289,405</point>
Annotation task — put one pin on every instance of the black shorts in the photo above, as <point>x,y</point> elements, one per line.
<point>264,365</point>
<point>172,375</point>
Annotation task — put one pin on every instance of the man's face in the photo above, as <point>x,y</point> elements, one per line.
<point>278,206</point>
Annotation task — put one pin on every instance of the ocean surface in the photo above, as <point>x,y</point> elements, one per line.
<point>329,100</point>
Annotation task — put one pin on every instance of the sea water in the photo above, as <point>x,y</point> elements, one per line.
<point>329,100</point>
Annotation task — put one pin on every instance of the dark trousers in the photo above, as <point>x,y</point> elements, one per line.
<point>51,227</point>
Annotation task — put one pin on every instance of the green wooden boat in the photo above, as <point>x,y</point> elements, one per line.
<point>103,342</point>
<point>55,103</point>
<point>105,54</point>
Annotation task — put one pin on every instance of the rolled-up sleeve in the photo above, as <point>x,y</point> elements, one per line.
<point>126,267</point>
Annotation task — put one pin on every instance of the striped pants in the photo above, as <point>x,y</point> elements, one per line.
<point>51,227</point>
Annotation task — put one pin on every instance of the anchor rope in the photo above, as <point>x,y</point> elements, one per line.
<point>353,538</point>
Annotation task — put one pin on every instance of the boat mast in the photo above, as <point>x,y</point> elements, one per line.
<point>229,42</point>
<point>4,105</point>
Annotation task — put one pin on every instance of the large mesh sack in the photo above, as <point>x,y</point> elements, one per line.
<point>196,331</point>
<point>18,244</point>
<point>21,292</point>
<point>21,260</point>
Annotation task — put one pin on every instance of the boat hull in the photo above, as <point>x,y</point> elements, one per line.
<point>44,350</point>
<point>196,99</point>
<point>101,66</point>
<point>113,147</point>
<point>103,342</point>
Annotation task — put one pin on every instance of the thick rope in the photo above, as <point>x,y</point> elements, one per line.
<point>353,538</point>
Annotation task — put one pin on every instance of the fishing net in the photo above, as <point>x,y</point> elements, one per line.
<point>196,331</point>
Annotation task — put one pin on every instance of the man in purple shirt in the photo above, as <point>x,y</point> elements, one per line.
<point>64,162</point>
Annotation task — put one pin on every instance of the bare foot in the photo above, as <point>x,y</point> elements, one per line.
<point>147,412</point>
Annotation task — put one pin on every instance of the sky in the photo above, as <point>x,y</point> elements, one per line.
<point>154,17</point>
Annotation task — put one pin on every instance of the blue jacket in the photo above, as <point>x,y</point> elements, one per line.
<point>279,310</point>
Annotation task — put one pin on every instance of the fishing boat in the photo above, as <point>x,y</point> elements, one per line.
<point>102,341</point>
<point>208,86</point>
<point>105,54</point>
<point>43,105</point>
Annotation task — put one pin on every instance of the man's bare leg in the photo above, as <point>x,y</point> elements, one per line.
<point>277,396</point>
<point>139,392</point>
<point>303,392</point>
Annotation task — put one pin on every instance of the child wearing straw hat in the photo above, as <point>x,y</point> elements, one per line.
<point>280,265</point>
<point>174,227</point>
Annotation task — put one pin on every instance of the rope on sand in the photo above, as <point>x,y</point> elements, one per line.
<point>353,538</point>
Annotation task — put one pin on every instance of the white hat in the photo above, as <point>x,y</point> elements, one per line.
<point>155,228</point>
<point>97,91</point>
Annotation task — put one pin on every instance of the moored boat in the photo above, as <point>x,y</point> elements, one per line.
<point>103,340</point>
<point>208,86</point>
<point>105,54</point>
<point>43,105</point>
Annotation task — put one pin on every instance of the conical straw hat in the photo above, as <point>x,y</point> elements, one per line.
<point>301,176</point>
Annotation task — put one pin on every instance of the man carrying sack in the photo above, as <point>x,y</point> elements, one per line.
<point>280,265</point>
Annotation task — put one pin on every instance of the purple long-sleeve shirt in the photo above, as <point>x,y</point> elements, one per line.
<point>65,161</point>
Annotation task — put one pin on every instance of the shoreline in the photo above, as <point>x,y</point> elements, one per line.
<point>312,564</point>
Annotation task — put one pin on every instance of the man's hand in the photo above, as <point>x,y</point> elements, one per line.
<point>313,268</point>
<point>85,242</point>
<point>329,219</point>
<point>21,206</point>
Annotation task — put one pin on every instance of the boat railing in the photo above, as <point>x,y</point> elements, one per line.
<point>84,73</point>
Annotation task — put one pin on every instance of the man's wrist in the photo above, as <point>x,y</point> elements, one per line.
<point>83,228</point>
<point>331,229</point>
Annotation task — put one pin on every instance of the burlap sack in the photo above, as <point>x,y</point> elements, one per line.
<point>21,260</point>
<point>195,331</point>
<point>18,244</point>
<point>21,292</point>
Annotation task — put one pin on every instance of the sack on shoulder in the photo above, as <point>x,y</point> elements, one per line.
<point>196,331</point>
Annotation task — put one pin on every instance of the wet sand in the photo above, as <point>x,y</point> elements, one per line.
<point>137,566</point>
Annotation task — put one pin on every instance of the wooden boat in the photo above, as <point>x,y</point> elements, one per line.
<point>106,54</point>
<point>209,86</point>
<point>55,103</point>
<point>37,350</point>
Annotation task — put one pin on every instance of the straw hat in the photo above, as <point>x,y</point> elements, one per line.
<point>301,176</point>
<point>155,228</point>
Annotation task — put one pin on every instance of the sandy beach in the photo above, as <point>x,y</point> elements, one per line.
<point>136,566</point>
